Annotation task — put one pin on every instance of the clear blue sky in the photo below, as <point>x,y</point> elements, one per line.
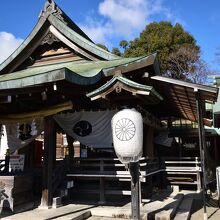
<point>109,21</point>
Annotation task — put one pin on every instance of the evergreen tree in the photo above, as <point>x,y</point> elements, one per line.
<point>175,46</point>
<point>116,51</point>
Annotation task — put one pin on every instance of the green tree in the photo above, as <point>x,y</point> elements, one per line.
<point>116,51</point>
<point>169,40</point>
<point>124,44</point>
<point>102,46</point>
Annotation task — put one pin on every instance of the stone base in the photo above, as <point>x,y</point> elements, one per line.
<point>44,207</point>
<point>57,202</point>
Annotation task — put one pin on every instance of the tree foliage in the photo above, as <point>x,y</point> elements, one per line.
<point>116,51</point>
<point>178,52</point>
<point>123,44</point>
<point>185,64</point>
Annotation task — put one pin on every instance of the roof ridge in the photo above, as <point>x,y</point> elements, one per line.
<point>50,7</point>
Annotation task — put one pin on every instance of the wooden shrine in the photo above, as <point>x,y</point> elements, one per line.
<point>59,69</point>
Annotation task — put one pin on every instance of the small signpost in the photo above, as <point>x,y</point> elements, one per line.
<point>127,132</point>
<point>16,163</point>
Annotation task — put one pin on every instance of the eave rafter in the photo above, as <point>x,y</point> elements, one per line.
<point>182,95</point>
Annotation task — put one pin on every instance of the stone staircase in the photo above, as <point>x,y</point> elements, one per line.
<point>161,207</point>
<point>183,212</point>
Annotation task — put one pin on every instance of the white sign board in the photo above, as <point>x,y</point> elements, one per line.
<point>16,162</point>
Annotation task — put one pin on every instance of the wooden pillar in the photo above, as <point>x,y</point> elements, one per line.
<point>216,151</point>
<point>180,147</point>
<point>135,192</point>
<point>48,162</point>
<point>7,160</point>
<point>148,147</point>
<point>202,145</point>
<point>70,141</point>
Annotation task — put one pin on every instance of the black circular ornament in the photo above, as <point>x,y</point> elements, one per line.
<point>82,128</point>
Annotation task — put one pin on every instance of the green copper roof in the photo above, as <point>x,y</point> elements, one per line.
<point>127,82</point>
<point>75,72</point>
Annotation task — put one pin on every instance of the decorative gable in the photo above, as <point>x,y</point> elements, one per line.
<point>49,39</point>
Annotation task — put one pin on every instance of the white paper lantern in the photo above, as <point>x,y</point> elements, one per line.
<point>127,132</point>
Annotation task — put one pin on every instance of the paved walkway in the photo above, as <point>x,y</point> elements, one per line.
<point>213,210</point>
<point>213,214</point>
<point>72,211</point>
<point>82,211</point>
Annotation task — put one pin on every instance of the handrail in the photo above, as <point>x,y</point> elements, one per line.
<point>182,158</point>
<point>103,166</point>
<point>103,169</point>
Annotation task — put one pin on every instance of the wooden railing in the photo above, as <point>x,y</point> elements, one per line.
<point>176,171</point>
<point>182,170</point>
<point>109,170</point>
<point>110,167</point>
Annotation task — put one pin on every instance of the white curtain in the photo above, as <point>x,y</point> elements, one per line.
<point>21,134</point>
<point>90,128</point>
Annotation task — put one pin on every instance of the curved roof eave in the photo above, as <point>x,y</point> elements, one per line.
<point>143,61</point>
<point>82,74</point>
<point>125,81</point>
<point>24,44</point>
<point>50,77</point>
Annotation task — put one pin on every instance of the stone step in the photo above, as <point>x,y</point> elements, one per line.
<point>184,210</point>
<point>164,209</point>
<point>113,212</point>
<point>76,216</point>
<point>103,218</point>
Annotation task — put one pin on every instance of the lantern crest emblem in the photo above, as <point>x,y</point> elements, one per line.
<point>125,129</point>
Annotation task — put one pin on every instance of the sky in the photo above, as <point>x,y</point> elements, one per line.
<point>110,21</point>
